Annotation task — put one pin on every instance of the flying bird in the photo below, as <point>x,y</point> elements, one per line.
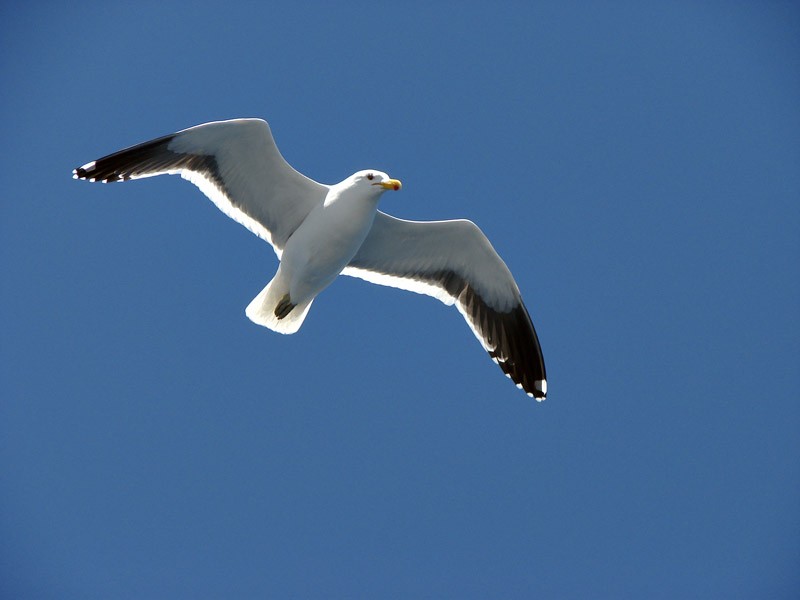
<point>320,231</point>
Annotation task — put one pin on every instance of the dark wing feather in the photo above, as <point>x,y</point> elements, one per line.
<point>235,163</point>
<point>454,262</point>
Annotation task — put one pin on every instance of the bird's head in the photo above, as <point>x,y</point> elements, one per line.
<point>375,180</point>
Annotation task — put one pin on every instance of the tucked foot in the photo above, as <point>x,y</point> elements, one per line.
<point>284,307</point>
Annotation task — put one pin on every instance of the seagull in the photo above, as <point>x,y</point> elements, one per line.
<point>320,231</point>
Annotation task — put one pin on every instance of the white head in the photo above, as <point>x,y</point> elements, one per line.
<point>375,181</point>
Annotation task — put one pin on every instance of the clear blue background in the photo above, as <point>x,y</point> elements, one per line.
<point>636,164</point>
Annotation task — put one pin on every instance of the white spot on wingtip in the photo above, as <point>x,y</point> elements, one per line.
<point>89,166</point>
<point>541,385</point>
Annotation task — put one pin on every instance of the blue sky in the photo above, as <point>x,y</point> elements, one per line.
<point>636,165</point>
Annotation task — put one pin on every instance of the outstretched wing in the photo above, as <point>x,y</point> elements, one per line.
<point>454,262</point>
<point>235,163</point>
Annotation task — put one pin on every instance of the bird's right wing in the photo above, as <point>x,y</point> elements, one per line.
<point>235,163</point>
<point>454,262</point>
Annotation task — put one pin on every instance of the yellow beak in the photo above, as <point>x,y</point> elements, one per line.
<point>391,184</point>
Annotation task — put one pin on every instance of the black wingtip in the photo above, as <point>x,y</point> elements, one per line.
<point>539,390</point>
<point>85,172</point>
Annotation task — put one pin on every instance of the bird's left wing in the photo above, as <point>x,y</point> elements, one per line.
<point>235,163</point>
<point>454,262</point>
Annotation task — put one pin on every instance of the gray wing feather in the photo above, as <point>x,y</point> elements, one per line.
<point>455,262</point>
<point>235,163</point>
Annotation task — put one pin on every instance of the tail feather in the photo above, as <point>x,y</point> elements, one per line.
<point>273,309</point>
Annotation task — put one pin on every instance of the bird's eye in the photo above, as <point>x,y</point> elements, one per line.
<point>370,176</point>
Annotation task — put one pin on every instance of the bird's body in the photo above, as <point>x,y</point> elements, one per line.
<point>320,231</point>
<point>318,251</point>
<point>328,239</point>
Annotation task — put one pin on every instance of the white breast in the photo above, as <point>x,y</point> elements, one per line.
<point>326,241</point>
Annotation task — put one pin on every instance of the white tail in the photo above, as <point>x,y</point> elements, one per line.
<point>262,309</point>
